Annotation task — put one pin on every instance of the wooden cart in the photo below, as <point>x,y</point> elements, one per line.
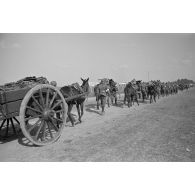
<point>42,112</point>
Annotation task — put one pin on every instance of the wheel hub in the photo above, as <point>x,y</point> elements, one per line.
<point>46,114</point>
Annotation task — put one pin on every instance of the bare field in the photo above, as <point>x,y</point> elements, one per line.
<point>162,131</point>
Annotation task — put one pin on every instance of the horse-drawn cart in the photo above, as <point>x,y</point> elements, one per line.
<point>41,108</point>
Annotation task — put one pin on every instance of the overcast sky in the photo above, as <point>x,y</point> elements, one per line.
<point>67,57</point>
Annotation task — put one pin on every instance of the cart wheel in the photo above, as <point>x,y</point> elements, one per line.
<point>43,113</point>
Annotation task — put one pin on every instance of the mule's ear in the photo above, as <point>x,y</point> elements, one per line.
<point>88,79</point>
<point>82,79</point>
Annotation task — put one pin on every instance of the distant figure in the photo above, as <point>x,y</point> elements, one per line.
<point>113,91</point>
<point>54,83</point>
<point>152,91</point>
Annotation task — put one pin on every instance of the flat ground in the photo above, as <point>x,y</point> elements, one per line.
<point>162,131</point>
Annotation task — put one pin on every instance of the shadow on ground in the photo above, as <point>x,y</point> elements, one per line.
<point>92,108</point>
<point>25,142</point>
<point>120,104</point>
<point>11,137</point>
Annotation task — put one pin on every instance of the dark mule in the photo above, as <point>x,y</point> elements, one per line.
<point>76,90</point>
<point>138,88</point>
<point>113,91</point>
<point>130,94</point>
<point>162,90</point>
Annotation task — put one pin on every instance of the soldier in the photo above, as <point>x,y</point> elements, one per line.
<point>103,90</point>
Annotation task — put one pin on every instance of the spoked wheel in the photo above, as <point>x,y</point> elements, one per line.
<point>43,114</point>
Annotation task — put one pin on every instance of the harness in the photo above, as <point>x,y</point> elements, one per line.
<point>77,87</point>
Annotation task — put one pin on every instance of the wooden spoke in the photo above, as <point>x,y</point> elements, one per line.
<point>50,130</point>
<point>58,119</point>
<point>51,121</point>
<point>42,99</point>
<point>31,128</point>
<point>39,129</point>
<point>33,109</point>
<point>41,108</point>
<point>6,134</point>
<point>47,97</point>
<point>32,117</point>
<point>51,102</point>
<point>58,111</point>
<point>2,123</point>
<point>43,136</point>
<point>13,126</point>
<point>59,102</point>
<point>16,120</point>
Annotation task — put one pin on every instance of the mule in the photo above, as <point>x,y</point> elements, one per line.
<point>162,90</point>
<point>130,95</point>
<point>76,90</point>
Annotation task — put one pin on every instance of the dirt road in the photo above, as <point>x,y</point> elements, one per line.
<point>162,131</point>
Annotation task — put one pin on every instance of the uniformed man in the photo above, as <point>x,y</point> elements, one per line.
<point>103,90</point>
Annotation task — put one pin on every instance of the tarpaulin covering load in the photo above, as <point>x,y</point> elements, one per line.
<point>14,91</point>
<point>25,82</point>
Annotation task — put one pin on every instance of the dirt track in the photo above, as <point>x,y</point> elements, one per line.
<point>162,131</point>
